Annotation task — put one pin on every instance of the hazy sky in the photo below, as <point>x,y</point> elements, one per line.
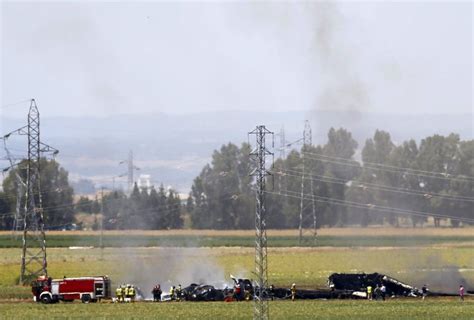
<point>87,57</point>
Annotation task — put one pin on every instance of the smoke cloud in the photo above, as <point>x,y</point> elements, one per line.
<point>446,278</point>
<point>171,266</point>
<point>341,86</point>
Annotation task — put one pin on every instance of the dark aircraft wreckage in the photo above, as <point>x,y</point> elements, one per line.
<point>340,286</point>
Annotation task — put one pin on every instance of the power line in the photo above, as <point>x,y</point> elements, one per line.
<point>372,206</point>
<point>15,103</point>
<point>374,186</point>
<point>389,168</point>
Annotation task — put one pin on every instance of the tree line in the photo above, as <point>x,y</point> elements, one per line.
<point>142,209</point>
<point>384,183</point>
<point>391,184</point>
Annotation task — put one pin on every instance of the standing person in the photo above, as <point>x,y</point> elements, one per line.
<point>156,293</point>
<point>369,292</point>
<point>424,291</point>
<point>173,293</point>
<point>132,292</point>
<point>383,290</point>
<point>118,293</point>
<point>124,292</point>
<point>179,292</point>
<point>271,292</point>
<point>377,292</point>
<point>237,291</point>
<point>461,292</point>
<point>128,297</point>
<point>293,292</point>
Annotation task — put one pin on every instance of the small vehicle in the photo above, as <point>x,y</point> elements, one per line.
<point>87,289</point>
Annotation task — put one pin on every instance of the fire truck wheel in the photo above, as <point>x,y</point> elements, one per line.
<point>85,298</point>
<point>46,299</point>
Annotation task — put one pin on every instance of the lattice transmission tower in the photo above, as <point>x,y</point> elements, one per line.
<point>282,150</point>
<point>33,258</point>
<point>130,171</point>
<point>29,210</point>
<point>261,310</point>
<point>303,218</point>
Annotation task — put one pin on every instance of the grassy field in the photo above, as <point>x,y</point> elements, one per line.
<point>341,310</point>
<point>441,260</point>
<point>245,238</point>
<point>368,231</point>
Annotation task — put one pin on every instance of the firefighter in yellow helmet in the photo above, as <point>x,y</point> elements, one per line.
<point>369,292</point>
<point>118,293</point>
<point>132,293</point>
<point>128,297</point>
<point>293,292</point>
<point>123,290</point>
<point>173,293</point>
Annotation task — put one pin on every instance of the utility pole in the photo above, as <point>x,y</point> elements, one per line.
<point>282,143</point>
<point>261,310</point>
<point>131,168</point>
<point>130,171</point>
<point>101,243</point>
<point>307,141</point>
<point>282,157</point>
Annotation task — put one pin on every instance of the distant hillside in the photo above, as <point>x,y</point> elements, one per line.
<point>173,148</point>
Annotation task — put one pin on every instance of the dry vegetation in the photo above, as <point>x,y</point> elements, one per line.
<point>367,232</point>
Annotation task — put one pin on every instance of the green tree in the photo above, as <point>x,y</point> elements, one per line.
<point>115,210</point>
<point>6,212</point>
<point>276,203</point>
<point>154,210</point>
<point>463,184</point>
<point>405,156</point>
<point>376,154</point>
<point>221,195</point>
<point>84,205</point>
<point>173,211</point>
<point>56,193</point>
<point>198,204</point>
<point>438,154</point>
<point>340,148</point>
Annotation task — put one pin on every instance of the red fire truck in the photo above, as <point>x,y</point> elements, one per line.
<point>87,289</point>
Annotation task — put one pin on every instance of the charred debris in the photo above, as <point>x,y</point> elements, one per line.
<point>340,286</point>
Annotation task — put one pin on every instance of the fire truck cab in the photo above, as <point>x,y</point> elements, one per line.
<point>87,289</point>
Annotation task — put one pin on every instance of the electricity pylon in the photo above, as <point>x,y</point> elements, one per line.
<point>261,310</point>
<point>307,142</point>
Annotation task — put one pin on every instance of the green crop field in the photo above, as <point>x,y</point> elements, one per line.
<point>134,240</point>
<point>439,261</point>
<point>341,310</point>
